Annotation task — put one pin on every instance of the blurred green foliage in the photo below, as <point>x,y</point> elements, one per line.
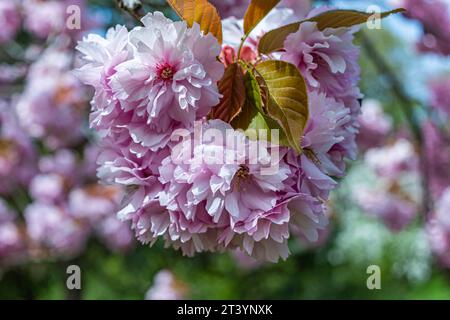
<point>212,276</point>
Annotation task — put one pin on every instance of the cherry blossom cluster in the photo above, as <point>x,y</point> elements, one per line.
<point>160,80</point>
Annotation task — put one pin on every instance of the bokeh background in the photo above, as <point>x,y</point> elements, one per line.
<point>391,210</point>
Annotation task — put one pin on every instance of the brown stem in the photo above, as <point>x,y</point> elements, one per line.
<point>407,103</point>
<point>136,13</point>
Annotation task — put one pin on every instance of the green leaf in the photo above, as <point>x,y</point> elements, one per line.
<point>346,18</point>
<point>245,118</point>
<point>274,40</point>
<point>253,89</point>
<point>252,118</point>
<point>287,98</point>
<point>267,124</point>
<point>252,121</point>
<point>253,103</point>
<point>232,88</point>
<point>202,12</point>
<point>256,11</point>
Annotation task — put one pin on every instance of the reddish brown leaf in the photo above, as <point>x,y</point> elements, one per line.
<point>232,87</point>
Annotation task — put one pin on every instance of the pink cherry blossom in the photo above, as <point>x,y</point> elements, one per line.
<point>172,64</point>
<point>100,56</point>
<point>327,142</point>
<point>330,133</point>
<point>125,163</point>
<point>198,207</point>
<point>202,194</point>
<point>328,59</point>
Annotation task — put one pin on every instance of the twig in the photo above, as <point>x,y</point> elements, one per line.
<point>407,104</point>
<point>134,12</point>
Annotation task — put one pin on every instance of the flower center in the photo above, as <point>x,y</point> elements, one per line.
<point>243,172</point>
<point>165,71</point>
<point>241,175</point>
<point>8,151</point>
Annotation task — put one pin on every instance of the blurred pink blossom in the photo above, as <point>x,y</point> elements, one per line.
<point>94,202</point>
<point>301,8</point>
<point>12,243</point>
<point>115,234</point>
<point>394,209</point>
<point>10,20</point>
<point>10,73</point>
<point>374,125</point>
<point>439,229</point>
<point>44,18</point>
<point>53,104</point>
<point>393,160</point>
<point>47,188</point>
<point>97,205</point>
<point>63,163</point>
<point>245,262</point>
<point>166,287</point>
<point>435,18</point>
<point>437,156</point>
<point>440,94</point>
<point>228,8</point>
<point>237,8</point>
<point>50,18</point>
<point>17,154</point>
<point>53,228</point>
